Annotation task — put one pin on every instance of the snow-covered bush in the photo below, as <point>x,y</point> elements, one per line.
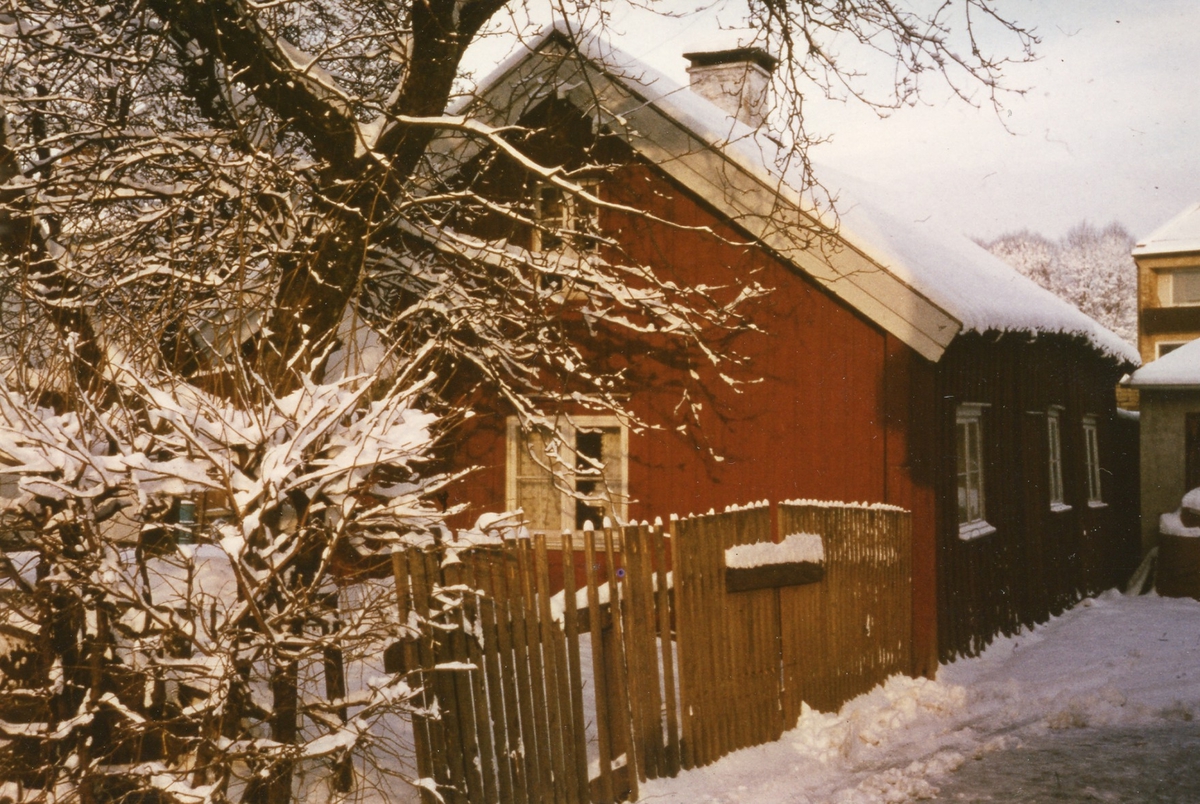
<point>206,670</point>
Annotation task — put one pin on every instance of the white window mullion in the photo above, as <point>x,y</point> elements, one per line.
<point>972,496</point>
<point>1054,435</point>
<point>1091,439</point>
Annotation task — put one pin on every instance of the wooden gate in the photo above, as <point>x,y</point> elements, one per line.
<point>728,642</point>
<point>850,632</point>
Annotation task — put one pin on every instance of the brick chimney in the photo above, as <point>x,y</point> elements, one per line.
<point>737,80</point>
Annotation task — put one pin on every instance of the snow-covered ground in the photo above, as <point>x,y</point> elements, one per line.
<point>1112,664</point>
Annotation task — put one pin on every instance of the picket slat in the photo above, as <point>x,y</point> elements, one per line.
<point>537,741</point>
<point>485,713</point>
<point>574,667</point>
<point>623,713</point>
<point>458,683</point>
<point>662,602</point>
<point>502,672</point>
<point>559,722</point>
<point>599,677</point>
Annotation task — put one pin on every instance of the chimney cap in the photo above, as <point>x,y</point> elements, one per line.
<point>712,58</point>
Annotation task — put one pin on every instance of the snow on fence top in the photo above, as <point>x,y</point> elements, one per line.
<point>793,549</point>
<point>833,504</point>
<point>731,509</point>
<point>1179,368</point>
<point>935,264</point>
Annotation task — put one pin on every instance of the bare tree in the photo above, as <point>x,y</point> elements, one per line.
<point>233,274</point>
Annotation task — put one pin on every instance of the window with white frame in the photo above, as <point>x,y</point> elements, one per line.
<point>972,507</point>
<point>581,476</point>
<point>1179,287</point>
<point>1091,445</point>
<point>1163,348</point>
<point>565,218</point>
<point>1054,451</point>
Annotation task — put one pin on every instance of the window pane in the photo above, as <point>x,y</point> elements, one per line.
<point>529,452</point>
<point>973,448</point>
<point>1185,286</point>
<point>599,473</point>
<point>541,502</point>
<point>970,476</point>
<point>589,452</point>
<point>1055,449</point>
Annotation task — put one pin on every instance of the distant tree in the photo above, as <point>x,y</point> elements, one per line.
<point>1089,267</point>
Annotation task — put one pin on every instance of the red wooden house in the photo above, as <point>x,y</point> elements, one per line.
<point>894,362</point>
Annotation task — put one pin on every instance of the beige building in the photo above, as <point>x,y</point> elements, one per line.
<point>1170,432</point>
<point>1168,264</point>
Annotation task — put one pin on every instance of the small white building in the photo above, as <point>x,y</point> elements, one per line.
<point>1170,433</point>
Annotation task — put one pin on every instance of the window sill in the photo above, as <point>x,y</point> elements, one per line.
<point>1097,504</point>
<point>1060,508</point>
<point>975,530</point>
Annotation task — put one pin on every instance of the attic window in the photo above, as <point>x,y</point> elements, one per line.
<point>565,219</point>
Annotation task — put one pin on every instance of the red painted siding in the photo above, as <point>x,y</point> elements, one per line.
<point>833,408</point>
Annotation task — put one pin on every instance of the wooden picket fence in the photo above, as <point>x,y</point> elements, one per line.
<point>680,671</point>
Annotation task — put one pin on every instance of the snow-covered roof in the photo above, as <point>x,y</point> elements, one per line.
<point>1179,368</point>
<point>915,279</point>
<point>1179,235</point>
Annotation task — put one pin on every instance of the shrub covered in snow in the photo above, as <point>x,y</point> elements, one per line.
<point>216,653</point>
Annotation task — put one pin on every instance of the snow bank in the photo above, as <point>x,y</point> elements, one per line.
<point>794,548</point>
<point>1112,661</point>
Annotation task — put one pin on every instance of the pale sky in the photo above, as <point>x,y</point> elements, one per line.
<point>1103,133</point>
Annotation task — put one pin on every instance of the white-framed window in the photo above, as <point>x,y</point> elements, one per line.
<point>1163,348</point>
<point>1091,446</point>
<point>1179,287</point>
<point>972,499</point>
<point>566,218</point>
<point>582,476</point>
<point>1058,500</point>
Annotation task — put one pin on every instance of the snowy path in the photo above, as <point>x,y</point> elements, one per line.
<point>1140,765</point>
<point>1112,667</point>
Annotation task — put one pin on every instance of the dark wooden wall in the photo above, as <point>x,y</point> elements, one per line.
<point>1038,561</point>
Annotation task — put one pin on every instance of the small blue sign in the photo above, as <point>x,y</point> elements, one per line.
<point>620,572</point>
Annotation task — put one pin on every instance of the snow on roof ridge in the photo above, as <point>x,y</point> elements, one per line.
<point>918,254</point>
<point>1179,368</point>
<point>1180,234</point>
